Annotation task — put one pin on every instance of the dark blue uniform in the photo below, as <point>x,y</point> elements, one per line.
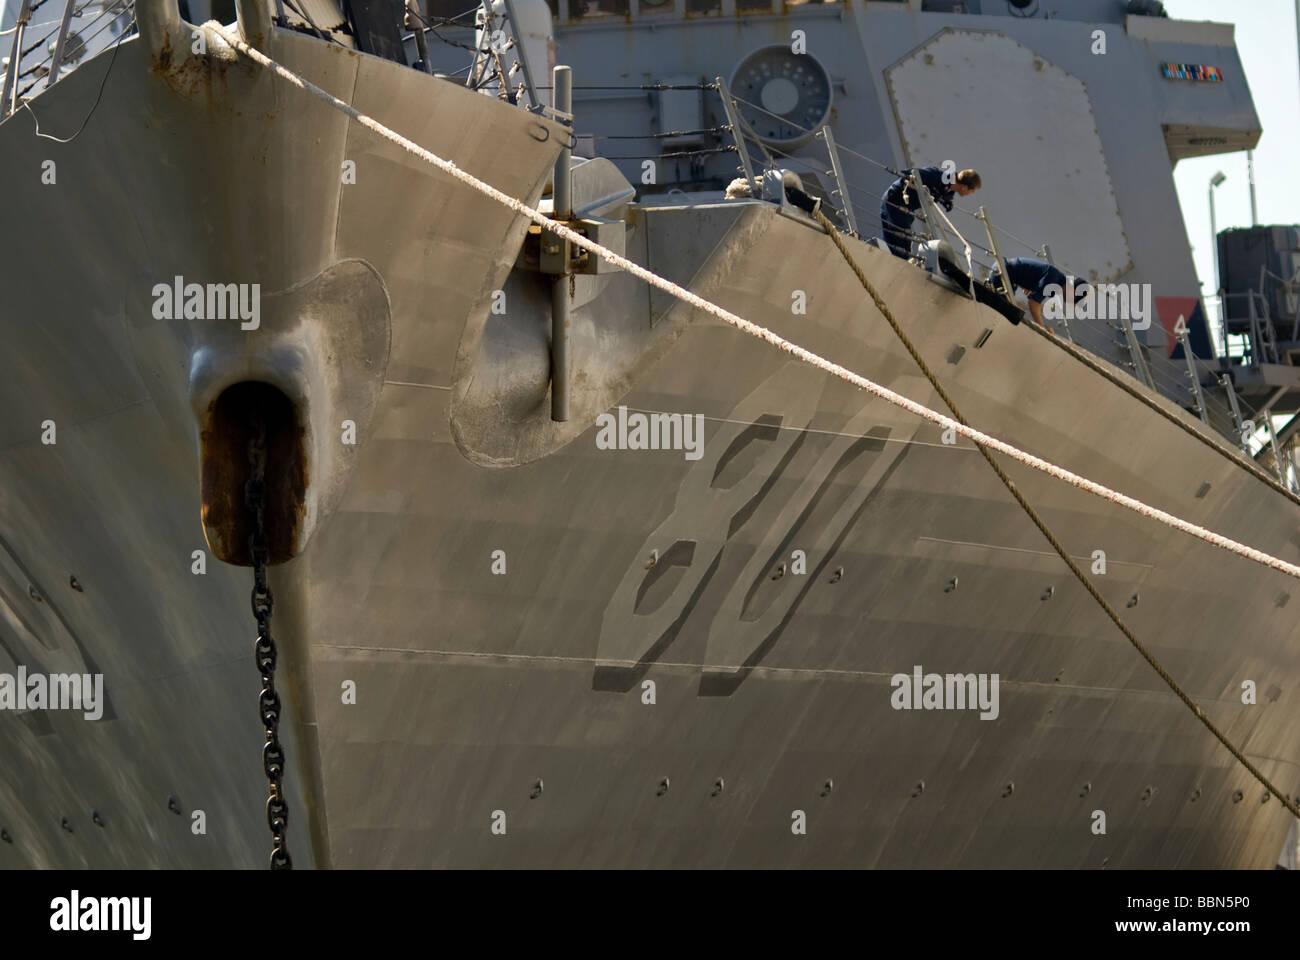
<point>900,201</point>
<point>1033,276</point>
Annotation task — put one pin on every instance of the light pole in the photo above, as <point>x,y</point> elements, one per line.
<point>1215,180</point>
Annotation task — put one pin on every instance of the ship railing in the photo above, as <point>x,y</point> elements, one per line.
<point>43,51</point>
<point>737,133</point>
<point>1261,340</point>
<point>841,186</point>
<point>1114,341</point>
<point>500,54</point>
<point>840,200</point>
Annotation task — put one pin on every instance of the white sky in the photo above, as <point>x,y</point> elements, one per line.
<point>1266,43</point>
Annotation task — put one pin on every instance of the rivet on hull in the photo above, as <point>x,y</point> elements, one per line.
<point>654,558</point>
<point>34,594</point>
<point>1008,790</point>
<point>75,584</point>
<point>779,572</point>
<point>838,575</point>
<point>1133,600</point>
<point>1196,795</point>
<point>1236,796</point>
<point>1047,594</point>
<point>1148,793</point>
<point>174,805</point>
<point>6,836</point>
<point>536,791</point>
<point>952,585</point>
<point>65,824</point>
<point>96,819</point>
<point>663,787</point>
<point>827,787</point>
<point>718,784</point>
<point>918,789</point>
<point>1087,789</point>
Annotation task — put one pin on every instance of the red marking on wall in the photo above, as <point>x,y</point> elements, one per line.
<point>1169,309</point>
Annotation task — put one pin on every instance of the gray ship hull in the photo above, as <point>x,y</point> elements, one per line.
<point>501,719</point>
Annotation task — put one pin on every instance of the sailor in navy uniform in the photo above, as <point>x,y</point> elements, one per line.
<point>1034,277</point>
<point>899,205</point>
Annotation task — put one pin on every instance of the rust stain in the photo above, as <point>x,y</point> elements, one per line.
<point>224,438</point>
<point>187,74</point>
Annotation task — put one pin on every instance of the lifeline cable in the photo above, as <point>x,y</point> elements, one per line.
<point>820,363</point>
<point>1132,390</point>
<point>1042,526</point>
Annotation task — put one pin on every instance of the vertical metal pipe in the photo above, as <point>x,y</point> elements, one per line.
<point>841,187</point>
<point>563,89</point>
<point>1140,369</point>
<point>1250,175</point>
<point>517,35</point>
<point>1214,250</point>
<point>1243,437</point>
<point>1277,451</point>
<point>53,75</point>
<point>737,133</point>
<point>1192,371</point>
<point>561,192</point>
<point>9,95</point>
<point>415,20</point>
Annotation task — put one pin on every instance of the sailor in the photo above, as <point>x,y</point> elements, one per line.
<point>1035,277</point>
<point>900,202</point>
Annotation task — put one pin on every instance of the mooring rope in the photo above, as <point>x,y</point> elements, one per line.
<point>1010,484</point>
<point>753,329</point>
<point>1132,389</point>
<point>821,363</point>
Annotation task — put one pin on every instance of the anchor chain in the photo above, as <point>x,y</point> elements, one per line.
<point>277,810</point>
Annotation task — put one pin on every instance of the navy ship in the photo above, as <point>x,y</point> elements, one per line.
<point>563,572</point>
